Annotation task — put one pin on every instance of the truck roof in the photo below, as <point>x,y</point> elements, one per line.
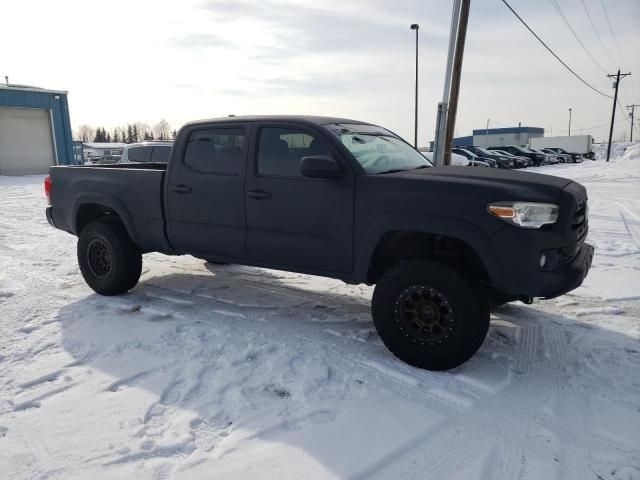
<point>318,120</point>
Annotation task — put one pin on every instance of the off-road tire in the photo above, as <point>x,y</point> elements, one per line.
<point>466,318</point>
<point>110,262</point>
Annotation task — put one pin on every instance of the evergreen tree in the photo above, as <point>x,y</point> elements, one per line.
<point>174,134</point>
<point>108,139</point>
<point>130,134</point>
<point>116,137</point>
<point>136,138</point>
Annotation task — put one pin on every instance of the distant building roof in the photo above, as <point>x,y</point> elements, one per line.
<point>98,145</point>
<point>503,131</point>
<point>29,88</point>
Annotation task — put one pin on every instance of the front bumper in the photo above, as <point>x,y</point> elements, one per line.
<point>569,276</point>
<point>567,258</point>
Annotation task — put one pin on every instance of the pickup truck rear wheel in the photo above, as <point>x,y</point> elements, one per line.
<point>428,315</point>
<point>110,262</point>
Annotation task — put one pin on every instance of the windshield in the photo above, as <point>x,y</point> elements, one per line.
<point>520,149</point>
<point>377,150</point>
<point>484,151</point>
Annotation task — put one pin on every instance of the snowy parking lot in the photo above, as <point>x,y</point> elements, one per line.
<point>209,371</point>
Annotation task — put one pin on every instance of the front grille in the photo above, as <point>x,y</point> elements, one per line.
<point>580,224</point>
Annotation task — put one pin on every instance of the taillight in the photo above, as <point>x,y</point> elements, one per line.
<point>47,188</point>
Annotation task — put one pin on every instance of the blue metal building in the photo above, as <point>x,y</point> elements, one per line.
<point>497,137</point>
<point>35,130</point>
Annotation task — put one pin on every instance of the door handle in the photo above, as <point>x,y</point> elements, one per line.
<point>181,188</point>
<point>258,194</point>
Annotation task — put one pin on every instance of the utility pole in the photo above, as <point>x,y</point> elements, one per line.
<point>445,121</point>
<point>632,108</point>
<point>617,76</point>
<point>416,27</point>
<point>487,134</point>
<point>570,121</point>
<point>455,79</point>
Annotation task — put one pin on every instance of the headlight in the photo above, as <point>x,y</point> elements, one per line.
<point>525,214</point>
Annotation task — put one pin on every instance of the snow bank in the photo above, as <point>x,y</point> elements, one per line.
<point>618,150</point>
<point>244,373</point>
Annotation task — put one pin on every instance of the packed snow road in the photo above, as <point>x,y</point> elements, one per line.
<point>207,371</point>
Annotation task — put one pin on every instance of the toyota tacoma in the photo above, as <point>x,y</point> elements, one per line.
<point>337,198</point>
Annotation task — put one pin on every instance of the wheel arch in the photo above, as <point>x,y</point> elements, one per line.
<point>96,205</point>
<point>415,236</point>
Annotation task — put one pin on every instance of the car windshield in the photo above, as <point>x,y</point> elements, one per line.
<point>506,154</point>
<point>377,150</point>
<point>484,151</point>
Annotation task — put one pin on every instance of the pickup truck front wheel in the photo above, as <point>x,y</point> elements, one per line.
<point>428,315</point>
<point>110,262</point>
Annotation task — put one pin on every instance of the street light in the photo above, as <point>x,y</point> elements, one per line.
<point>416,27</point>
<point>570,121</point>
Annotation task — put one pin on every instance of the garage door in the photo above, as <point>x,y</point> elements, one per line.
<point>26,144</point>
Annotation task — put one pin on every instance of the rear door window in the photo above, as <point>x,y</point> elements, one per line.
<point>160,154</point>
<point>139,154</point>
<point>216,150</point>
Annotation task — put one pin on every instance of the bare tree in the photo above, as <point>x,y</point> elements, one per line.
<point>162,130</point>
<point>85,133</point>
<point>143,128</point>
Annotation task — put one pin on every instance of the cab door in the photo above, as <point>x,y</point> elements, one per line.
<point>205,196</point>
<point>294,221</point>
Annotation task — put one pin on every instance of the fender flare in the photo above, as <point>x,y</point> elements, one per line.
<point>457,228</point>
<point>106,200</point>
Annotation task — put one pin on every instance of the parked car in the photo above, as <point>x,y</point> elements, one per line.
<point>502,161</point>
<point>562,157</point>
<point>456,160</point>
<point>147,152</point>
<point>472,157</point>
<point>342,199</point>
<point>549,158</point>
<point>575,157</point>
<point>537,158</point>
<point>520,161</point>
<point>103,159</point>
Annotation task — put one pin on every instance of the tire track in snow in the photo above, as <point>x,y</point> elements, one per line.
<point>573,409</point>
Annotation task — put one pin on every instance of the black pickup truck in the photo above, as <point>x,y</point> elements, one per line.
<point>337,198</point>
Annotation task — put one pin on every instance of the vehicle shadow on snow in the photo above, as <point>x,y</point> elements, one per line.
<point>249,355</point>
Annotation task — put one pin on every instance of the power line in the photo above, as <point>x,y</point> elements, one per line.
<point>554,54</point>
<point>615,41</point>
<point>556,5</point>
<point>613,35</point>
<point>593,25</point>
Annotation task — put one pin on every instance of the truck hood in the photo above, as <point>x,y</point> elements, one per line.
<point>517,185</point>
<point>460,193</point>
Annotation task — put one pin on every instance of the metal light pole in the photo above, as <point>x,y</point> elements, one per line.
<point>416,27</point>
<point>570,121</point>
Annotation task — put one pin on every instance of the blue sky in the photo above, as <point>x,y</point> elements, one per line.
<point>126,61</point>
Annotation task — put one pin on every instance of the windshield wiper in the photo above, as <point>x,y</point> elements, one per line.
<point>396,170</point>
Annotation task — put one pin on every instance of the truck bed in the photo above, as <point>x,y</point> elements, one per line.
<point>133,191</point>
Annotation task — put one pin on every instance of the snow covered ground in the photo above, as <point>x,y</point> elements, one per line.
<point>229,372</point>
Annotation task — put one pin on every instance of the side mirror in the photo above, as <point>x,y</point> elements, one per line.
<point>320,166</point>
